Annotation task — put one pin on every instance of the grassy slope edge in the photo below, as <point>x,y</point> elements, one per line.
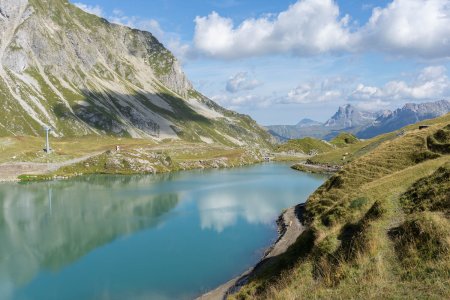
<point>377,229</point>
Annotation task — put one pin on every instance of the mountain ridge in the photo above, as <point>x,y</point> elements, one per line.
<point>364,124</point>
<point>83,75</point>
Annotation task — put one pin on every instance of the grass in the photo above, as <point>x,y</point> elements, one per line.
<point>379,228</point>
<point>136,156</point>
<point>160,160</point>
<point>430,193</point>
<point>306,145</point>
<point>344,139</point>
<point>30,149</point>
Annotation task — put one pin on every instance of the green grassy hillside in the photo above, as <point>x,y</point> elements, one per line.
<point>344,139</point>
<point>378,229</point>
<point>306,145</point>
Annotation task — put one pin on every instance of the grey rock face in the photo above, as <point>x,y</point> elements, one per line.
<point>410,113</point>
<point>362,123</point>
<point>80,74</point>
<point>349,116</point>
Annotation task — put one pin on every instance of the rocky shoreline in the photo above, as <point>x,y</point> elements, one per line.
<point>316,168</point>
<point>290,227</point>
<point>93,164</point>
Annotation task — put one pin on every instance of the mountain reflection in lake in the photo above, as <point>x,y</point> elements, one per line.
<point>162,236</point>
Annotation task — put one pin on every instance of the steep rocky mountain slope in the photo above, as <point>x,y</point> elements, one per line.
<point>349,116</point>
<point>82,75</point>
<point>363,124</point>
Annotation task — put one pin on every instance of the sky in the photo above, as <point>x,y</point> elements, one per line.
<point>282,61</point>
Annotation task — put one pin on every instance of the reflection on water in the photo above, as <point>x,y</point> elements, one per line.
<point>47,226</point>
<point>117,237</point>
<point>219,210</point>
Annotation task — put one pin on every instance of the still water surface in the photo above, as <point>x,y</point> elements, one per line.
<point>169,236</point>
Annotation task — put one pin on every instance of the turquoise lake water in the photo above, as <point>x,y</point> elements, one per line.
<point>169,236</point>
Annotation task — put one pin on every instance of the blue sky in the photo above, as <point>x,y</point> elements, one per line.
<point>281,61</point>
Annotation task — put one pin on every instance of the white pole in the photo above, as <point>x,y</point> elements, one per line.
<point>47,145</point>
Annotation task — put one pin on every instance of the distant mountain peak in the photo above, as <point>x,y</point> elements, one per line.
<point>349,116</point>
<point>364,124</point>
<point>410,113</point>
<point>307,122</point>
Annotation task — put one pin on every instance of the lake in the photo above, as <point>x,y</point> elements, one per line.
<point>170,236</point>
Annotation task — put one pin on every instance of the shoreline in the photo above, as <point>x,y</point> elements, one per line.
<point>290,227</point>
<point>37,172</point>
<point>289,223</point>
<point>316,168</point>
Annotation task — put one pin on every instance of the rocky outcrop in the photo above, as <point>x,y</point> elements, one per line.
<point>349,116</point>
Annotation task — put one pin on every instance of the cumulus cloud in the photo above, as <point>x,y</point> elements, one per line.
<point>429,84</point>
<point>311,27</point>
<point>241,82</point>
<point>409,27</point>
<point>92,9</point>
<point>329,89</point>
<point>306,27</point>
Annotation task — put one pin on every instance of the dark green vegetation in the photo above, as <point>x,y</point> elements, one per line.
<point>379,228</point>
<point>431,193</point>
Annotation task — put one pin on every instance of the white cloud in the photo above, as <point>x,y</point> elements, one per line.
<point>311,27</point>
<point>307,27</point>
<point>237,102</point>
<point>182,51</point>
<point>430,84</point>
<point>409,27</point>
<point>95,10</point>
<point>376,105</point>
<point>241,82</point>
<point>329,89</point>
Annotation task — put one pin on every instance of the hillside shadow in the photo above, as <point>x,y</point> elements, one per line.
<point>113,113</point>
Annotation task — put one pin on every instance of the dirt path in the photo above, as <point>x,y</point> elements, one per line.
<point>290,229</point>
<point>10,171</point>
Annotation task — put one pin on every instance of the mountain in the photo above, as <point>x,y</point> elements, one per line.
<point>81,75</point>
<point>287,132</point>
<point>307,122</point>
<point>363,124</point>
<point>349,116</point>
<point>410,113</point>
